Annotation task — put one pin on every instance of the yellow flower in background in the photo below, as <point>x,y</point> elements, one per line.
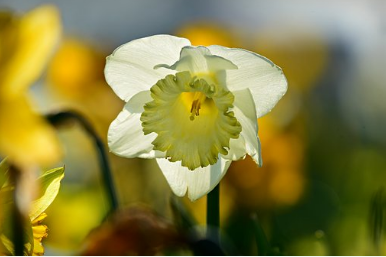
<point>25,44</point>
<point>75,68</point>
<point>206,34</point>
<point>281,181</point>
<point>39,232</point>
<point>194,109</point>
<point>75,80</point>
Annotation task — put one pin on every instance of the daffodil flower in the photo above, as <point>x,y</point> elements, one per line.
<point>26,44</point>
<point>193,108</point>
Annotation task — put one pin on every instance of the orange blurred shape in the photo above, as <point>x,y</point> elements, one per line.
<point>133,231</point>
<point>287,186</point>
<point>280,181</point>
<point>75,67</point>
<point>206,34</point>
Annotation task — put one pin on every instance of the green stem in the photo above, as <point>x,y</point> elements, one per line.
<point>64,117</point>
<point>213,213</point>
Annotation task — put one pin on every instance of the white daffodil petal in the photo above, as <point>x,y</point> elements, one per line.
<point>198,182</point>
<point>130,68</point>
<point>265,80</point>
<point>245,113</point>
<point>199,60</point>
<point>126,138</point>
<point>192,59</point>
<point>136,103</point>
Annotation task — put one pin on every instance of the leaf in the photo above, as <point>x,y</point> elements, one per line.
<point>3,171</point>
<point>8,229</point>
<point>8,247</point>
<point>377,217</point>
<point>7,244</point>
<point>6,196</point>
<point>262,243</point>
<point>49,187</point>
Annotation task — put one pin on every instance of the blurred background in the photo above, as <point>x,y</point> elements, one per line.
<point>320,190</point>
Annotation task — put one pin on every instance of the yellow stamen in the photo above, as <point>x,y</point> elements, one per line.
<point>198,99</point>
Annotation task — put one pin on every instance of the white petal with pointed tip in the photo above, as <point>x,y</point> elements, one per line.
<point>196,183</point>
<point>198,59</point>
<point>126,138</point>
<point>265,80</point>
<point>130,68</point>
<point>245,113</point>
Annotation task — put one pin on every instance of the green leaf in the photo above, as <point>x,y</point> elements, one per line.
<point>7,245</point>
<point>7,227</point>
<point>49,187</point>
<point>262,243</point>
<point>377,215</point>
<point>3,171</point>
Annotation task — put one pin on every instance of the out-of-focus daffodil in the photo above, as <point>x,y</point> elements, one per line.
<point>206,34</point>
<point>280,182</point>
<point>49,184</point>
<point>25,45</point>
<point>75,68</point>
<point>194,109</point>
<point>75,79</point>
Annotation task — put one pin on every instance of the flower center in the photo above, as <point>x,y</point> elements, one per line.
<point>192,119</point>
<point>195,101</point>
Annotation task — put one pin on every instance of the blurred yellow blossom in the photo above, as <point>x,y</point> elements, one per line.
<point>207,33</point>
<point>280,181</point>
<point>25,44</point>
<point>75,79</point>
<point>74,68</point>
